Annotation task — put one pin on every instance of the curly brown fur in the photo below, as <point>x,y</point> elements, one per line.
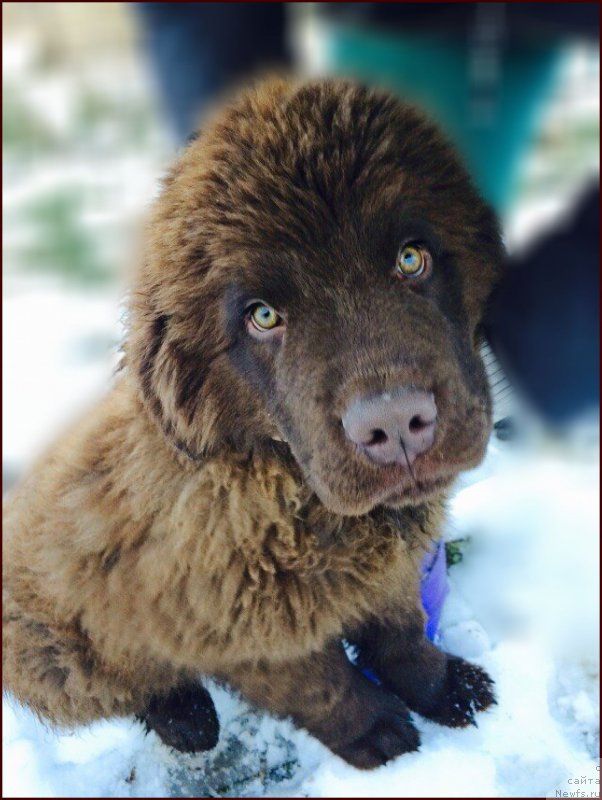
<point>210,516</point>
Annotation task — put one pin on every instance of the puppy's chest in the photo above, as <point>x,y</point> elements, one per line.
<point>313,542</point>
<point>294,547</point>
<point>269,565</point>
<point>269,514</point>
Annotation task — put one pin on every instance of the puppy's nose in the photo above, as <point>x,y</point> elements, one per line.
<point>386,425</point>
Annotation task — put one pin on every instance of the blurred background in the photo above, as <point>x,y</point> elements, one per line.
<point>98,97</point>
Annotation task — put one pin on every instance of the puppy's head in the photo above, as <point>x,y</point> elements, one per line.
<point>317,269</point>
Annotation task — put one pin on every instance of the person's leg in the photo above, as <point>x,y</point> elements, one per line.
<point>198,49</point>
<point>544,317</point>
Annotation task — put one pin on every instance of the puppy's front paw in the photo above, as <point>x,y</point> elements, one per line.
<point>391,735</point>
<point>184,719</point>
<point>468,689</point>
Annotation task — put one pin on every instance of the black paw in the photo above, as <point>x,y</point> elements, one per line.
<point>391,735</point>
<point>468,689</point>
<point>184,719</point>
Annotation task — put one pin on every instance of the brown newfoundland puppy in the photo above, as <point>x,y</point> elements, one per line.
<point>301,383</point>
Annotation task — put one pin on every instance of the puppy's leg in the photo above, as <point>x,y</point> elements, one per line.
<point>184,718</point>
<point>444,688</point>
<point>57,673</point>
<point>323,693</point>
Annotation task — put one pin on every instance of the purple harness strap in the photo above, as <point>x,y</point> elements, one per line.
<point>434,587</point>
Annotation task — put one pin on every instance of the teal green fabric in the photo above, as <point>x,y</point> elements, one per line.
<point>435,73</point>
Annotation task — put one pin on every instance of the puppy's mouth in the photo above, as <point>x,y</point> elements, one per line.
<point>401,484</point>
<point>395,489</point>
<point>417,490</point>
<point>395,485</point>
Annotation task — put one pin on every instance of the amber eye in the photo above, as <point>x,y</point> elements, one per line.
<point>264,318</point>
<point>412,261</point>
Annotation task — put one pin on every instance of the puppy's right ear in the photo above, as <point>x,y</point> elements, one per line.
<point>145,365</point>
<point>174,359</point>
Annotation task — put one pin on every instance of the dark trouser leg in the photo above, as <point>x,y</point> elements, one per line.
<point>198,49</point>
